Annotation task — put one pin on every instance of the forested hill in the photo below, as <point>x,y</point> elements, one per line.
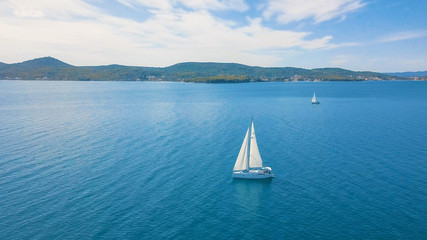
<point>48,68</point>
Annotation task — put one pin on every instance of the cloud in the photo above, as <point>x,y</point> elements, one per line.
<point>286,11</point>
<point>392,37</point>
<point>82,34</point>
<point>49,8</point>
<point>399,36</point>
<point>237,5</point>
<point>156,4</point>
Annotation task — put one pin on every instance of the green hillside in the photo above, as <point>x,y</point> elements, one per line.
<point>49,68</point>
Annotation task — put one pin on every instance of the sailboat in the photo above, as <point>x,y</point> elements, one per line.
<point>314,100</point>
<point>249,162</point>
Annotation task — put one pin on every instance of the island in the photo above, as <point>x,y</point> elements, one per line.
<point>49,68</point>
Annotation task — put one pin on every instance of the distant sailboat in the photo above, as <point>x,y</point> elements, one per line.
<point>249,162</point>
<point>314,100</point>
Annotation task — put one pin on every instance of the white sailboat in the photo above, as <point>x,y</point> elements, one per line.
<point>249,162</point>
<point>314,100</point>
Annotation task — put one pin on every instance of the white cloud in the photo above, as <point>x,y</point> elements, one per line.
<point>238,5</point>
<point>83,35</point>
<point>157,4</point>
<point>286,11</point>
<point>402,36</point>
<point>50,8</point>
<point>392,37</point>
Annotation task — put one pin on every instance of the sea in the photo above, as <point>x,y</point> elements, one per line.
<point>153,160</point>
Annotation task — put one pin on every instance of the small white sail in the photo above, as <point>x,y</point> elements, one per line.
<point>314,98</point>
<point>242,162</point>
<point>255,158</point>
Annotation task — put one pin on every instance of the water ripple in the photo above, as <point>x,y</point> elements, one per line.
<point>120,160</point>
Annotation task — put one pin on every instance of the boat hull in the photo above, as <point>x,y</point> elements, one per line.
<point>252,175</point>
<point>315,102</point>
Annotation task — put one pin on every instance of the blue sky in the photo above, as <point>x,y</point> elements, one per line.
<point>374,35</point>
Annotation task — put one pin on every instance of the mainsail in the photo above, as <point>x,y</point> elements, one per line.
<point>255,158</point>
<point>242,162</point>
<point>314,98</point>
<point>249,156</point>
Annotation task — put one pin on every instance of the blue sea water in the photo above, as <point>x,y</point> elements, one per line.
<point>144,160</point>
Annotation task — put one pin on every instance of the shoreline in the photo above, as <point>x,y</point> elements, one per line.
<point>148,81</point>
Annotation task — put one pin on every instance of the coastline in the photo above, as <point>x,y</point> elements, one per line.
<point>190,82</point>
<point>51,69</point>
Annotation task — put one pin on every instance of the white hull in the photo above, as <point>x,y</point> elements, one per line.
<point>252,175</point>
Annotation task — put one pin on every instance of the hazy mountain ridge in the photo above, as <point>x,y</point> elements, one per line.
<point>409,74</point>
<point>48,68</point>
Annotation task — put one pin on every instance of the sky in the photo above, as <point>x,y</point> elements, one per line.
<point>372,35</point>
